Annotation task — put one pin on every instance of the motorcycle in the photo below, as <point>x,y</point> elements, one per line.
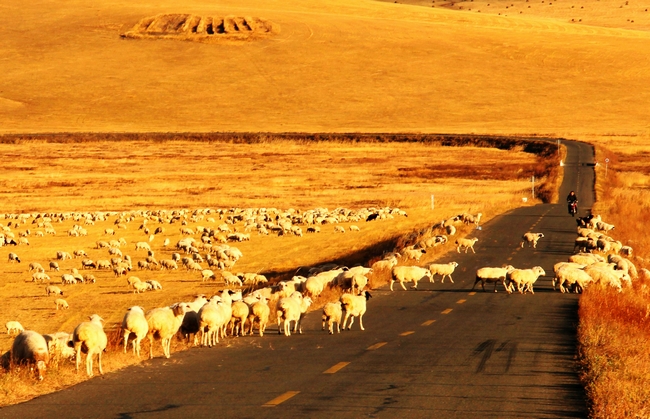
<point>573,208</point>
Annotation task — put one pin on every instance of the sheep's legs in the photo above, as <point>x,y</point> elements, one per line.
<point>361,321</point>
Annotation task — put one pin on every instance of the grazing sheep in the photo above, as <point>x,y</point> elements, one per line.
<point>168,264</point>
<point>30,347</point>
<point>79,253</point>
<point>164,322</point>
<point>354,306</point>
<point>585,258</point>
<point>523,279</point>
<point>313,229</point>
<point>607,277</point>
<point>531,239</point>
<point>53,289</point>
<point>339,229</point>
<point>35,266</point>
<point>332,313</point>
<point>60,343</point>
<point>63,304</point>
<point>14,327</point>
<point>444,269</point>
<point>90,338</point>
<point>40,276</point>
<point>354,228</point>
<point>154,285</point>
<point>13,257</point>
<point>408,274</point>
<point>60,255</point>
<point>626,251</point>
<point>54,266</point>
<point>450,229</point>
<point>134,322</point>
<point>140,286</point>
<point>142,246</point>
<point>466,243</point>
<point>68,279</point>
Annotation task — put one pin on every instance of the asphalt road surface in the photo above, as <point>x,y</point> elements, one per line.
<point>439,352</point>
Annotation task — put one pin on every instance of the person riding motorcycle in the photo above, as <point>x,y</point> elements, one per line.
<point>572,201</point>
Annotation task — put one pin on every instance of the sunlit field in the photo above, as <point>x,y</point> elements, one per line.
<point>123,176</point>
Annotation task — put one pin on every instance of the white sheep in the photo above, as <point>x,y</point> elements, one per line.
<point>531,239</point>
<point>30,347</point>
<point>214,316</point>
<point>444,269</point>
<point>626,251</point>
<point>524,279</point>
<point>154,285</point>
<point>14,327</point>
<point>568,277</point>
<point>60,343</point>
<point>139,286</point>
<point>207,274</point>
<point>35,266</point>
<point>61,303</point>
<point>358,283</point>
<point>339,229</point>
<point>40,276</point>
<point>586,258</point>
<point>134,322</point>
<point>354,306</point>
<point>603,226</point>
<point>292,309</point>
<point>408,274</point>
<point>314,285</point>
<point>53,289</point>
<point>413,253</point>
<point>90,338</point>
<point>332,313</point>
<point>354,228</point>
<point>607,277</point>
<point>489,274</point>
<point>465,243</point>
<point>164,322</point>
<point>240,312</point>
<point>386,264</point>
<point>259,312</point>
<point>13,257</point>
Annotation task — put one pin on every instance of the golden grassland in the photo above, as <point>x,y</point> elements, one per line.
<point>123,175</point>
<point>335,66</point>
<point>614,332</point>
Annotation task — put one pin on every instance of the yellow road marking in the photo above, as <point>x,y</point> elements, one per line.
<point>410,332</point>
<point>428,323</point>
<point>447,311</point>
<point>460,301</point>
<point>280,399</point>
<point>509,259</point>
<point>472,293</point>
<point>336,368</point>
<point>376,346</point>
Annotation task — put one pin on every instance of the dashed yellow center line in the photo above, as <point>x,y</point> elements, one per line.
<point>336,368</point>
<point>460,301</point>
<point>472,293</point>
<point>428,323</point>
<point>376,346</point>
<point>410,332</point>
<point>280,399</point>
<point>447,311</point>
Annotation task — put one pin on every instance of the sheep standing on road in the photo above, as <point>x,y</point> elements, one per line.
<point>408,274</point>
<point>444,269</point>
<point>531,239</point>
<point>523,279</point>
<point>332,313</point>
<point>259,312</point>
<point>30,347</point>
<point>292,309</point>
<point>465,243</point>
<point>354,306</point>
<point>90,338</point>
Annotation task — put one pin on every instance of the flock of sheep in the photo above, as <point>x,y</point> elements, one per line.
<point>207,320</point>
<point>204,321</point>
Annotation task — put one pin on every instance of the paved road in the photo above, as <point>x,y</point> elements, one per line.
<point>439,352</point>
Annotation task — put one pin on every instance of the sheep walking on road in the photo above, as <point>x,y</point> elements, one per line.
<point>466,244</point>
<point>531,239</point>
<point>444,269</point>
<point>354,306</point>
<point>332,313</point>
<point>413,274</point>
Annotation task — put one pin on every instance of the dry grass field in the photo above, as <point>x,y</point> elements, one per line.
<point>613,333</point>
<point>362,66</point>
<point>44,176</point>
